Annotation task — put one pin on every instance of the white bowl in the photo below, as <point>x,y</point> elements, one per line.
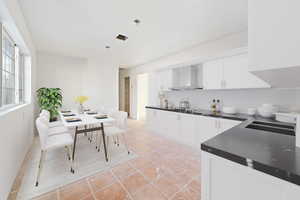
<point>229,110</point>
<point>251,111</point>
<point>265,112</point>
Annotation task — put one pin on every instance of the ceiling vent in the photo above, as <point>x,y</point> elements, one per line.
<point>122,37</point>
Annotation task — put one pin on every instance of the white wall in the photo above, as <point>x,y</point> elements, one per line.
<point>16,125</point>
<point>79,76</point>
<point>101,83</point>
<point>61,72</point>
<point>142,92</point>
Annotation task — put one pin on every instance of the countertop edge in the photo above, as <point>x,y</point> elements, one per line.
<point>273,171</point>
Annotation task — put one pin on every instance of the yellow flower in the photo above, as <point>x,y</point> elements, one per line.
<point>81,99</point>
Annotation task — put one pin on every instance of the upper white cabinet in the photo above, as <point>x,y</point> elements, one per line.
<point>230,73</point>
<point>236,74</point>
<point>273,34</point>
<point>213,74</point>
<point>164,79</point>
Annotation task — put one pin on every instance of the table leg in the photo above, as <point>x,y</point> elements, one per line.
<point>104,143</point>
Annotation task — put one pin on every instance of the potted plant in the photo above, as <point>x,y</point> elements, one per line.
<point>50,99</point>
<point>81,100</point>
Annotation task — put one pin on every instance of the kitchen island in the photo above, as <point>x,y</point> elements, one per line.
<point>245,163</point>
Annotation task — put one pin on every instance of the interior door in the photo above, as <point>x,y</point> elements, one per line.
<point>127,95</point>
<point>212,74</point>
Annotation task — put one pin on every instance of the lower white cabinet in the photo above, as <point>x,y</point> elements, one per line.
<point>188,129</point>
<point>225,179</point>
<point>225,124</point>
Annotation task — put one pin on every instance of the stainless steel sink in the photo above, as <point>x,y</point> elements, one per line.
<point>272,127</point>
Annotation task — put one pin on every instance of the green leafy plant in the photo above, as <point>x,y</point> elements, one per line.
<point>50,99</point>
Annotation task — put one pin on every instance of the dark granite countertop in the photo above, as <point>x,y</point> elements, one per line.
<point>272,153</point>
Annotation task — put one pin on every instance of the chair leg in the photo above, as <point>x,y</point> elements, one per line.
<point>125,142</point>
<point>107,147</point>
<point>68,153</point>
<point>40,168</point>
<point>71,160</point>
<point>96,139</point>
<point>99,142</point>
<point>118,141</point>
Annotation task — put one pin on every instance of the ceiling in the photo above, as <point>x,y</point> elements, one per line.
<point>84,27</point>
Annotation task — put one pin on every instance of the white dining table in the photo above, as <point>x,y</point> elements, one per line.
<point>84,126</point>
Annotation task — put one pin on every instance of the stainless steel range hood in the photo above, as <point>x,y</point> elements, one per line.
<point>187,78</point>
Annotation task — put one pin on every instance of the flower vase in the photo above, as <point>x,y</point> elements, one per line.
<point>80,109</point>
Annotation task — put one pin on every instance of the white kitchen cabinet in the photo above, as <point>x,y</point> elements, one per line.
<point>236,74</point>
<point>226,124</point>
<point>229,180</point>
<point>151,119</point>
<point>187,129</point>
<point>230,73</point>
<point>165,79</point>
<point>213,74</point>
<point>273,38</point>
<point>169,124</point>
<point>206,128</point>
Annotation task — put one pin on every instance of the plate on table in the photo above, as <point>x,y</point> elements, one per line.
<point>68,115</point>
<point>65,111</point>
<point>73,119</point>
<point>101,116</point>
<point>92,113</point>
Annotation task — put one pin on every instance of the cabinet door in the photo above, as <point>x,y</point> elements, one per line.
<point>166,79</point>
<point>150,118</point>
<point>212,74</point>
<point>187,129</point>
<point>171,122</point>
<point>225,124</point>
<point>237,75</point>
<point>205,129</point>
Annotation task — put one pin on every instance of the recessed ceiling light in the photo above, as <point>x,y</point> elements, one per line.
<point>122,37</point>
<point>137,21</point>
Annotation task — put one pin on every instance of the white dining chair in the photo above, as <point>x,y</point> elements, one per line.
<point>51,142</point>
<point>53,130</point>
<point>46,113</point>
<point>119,128</point>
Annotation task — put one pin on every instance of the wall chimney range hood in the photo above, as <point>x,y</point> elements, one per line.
<point>187,78</point>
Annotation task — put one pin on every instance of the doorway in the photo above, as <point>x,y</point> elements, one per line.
<point>142,95</point>
<point>127,95</point>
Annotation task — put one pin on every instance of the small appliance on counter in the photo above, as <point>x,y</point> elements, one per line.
<point>184,105</point>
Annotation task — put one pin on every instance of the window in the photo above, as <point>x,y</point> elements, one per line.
<point>12,72</point>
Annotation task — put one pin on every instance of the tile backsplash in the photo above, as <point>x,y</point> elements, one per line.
<point>285,99</point>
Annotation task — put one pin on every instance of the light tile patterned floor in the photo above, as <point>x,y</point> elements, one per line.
<point>163,170</point>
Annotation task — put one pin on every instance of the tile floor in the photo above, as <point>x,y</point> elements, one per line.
<point>163,170</point>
